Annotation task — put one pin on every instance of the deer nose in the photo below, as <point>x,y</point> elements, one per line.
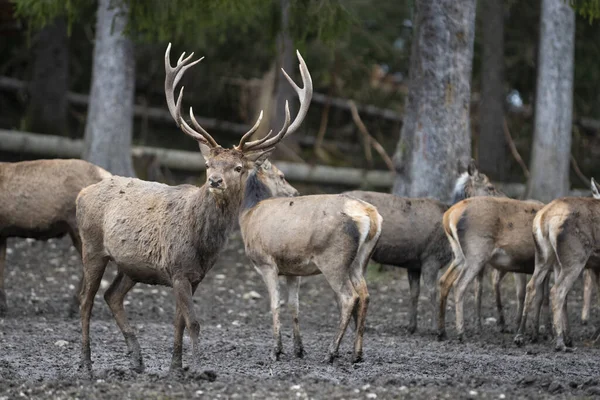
<point>215,181</point>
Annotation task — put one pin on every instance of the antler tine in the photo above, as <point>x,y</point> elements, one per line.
<point>267,143</point>
<point>305,96</point>
<point>172,77</point>
<point>248,134</point>
<point>212,141</point>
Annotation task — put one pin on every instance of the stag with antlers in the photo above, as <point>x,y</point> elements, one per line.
<point>169,235</point>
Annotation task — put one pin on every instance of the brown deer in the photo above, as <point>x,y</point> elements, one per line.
<point>169,235</point>
<point>565,235</point>
<point>333,235</point>
<point>37,200</point>
<point>412,235</point>
<point>482,231</point>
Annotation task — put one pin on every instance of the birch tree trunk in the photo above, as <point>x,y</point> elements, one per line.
<point>283,90</point>
<point>551,148</point>
<point>492,147</point>
<point>109,125</point>
<point>48,106</point>
<point>435,142</point>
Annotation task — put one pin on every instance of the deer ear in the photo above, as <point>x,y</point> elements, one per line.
<point>472,168</point>
<point>258,157</point>
<point>205,150</point>
<point>595,189</point>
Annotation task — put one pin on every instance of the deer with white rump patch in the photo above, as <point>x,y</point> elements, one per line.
<point>482,231</point>
<point>566,236</point>
<point>333,235</point>
<point>412,235</point>
<point>37,200</point>
<point>169,235</point>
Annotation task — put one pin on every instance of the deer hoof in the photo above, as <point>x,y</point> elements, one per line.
<point>331,357</point>
<point>441,336</point>
<point>357,358</point>
<point>584,322</point>
<point>299,352</point>
<point>276,354</point>
<point>412,329</point>
<point>137,366</point>
<point>519,340</point>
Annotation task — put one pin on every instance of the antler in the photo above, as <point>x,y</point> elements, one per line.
<point>172,78</point>
<point>267,143</point>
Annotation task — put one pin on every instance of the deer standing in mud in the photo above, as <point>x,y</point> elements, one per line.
<point>481,231</point>
<point>169,235</point>
<point>412,235</point>
<point>37,200</point>
<point>333,235</point>
<point>565,233</point>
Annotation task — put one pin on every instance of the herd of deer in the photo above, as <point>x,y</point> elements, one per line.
<point>172,235</point>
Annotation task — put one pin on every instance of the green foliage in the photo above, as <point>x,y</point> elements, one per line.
<point>589,9</point>
<point>40,13</point>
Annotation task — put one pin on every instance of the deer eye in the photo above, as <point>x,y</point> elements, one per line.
<point>282,177</point>
<point>238,169</point>
<point>207,165</point>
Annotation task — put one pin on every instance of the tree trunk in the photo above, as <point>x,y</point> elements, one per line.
<point>551,148</point>
<point>109,125</point>
<point>492,147</point>
<point>47,110</point>
<point>435,142</point>
<point>283,90</point>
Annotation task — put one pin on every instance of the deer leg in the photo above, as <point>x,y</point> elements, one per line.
<point>114,296</point>
<point>445,283</point>
<point>588,283</point>
<point>93,269</point>
<point>478,295</point>
<point>429,270</point>
<point>271,278</point>
<point>184,291</point>
<point>469,272</point>
<point>558,295</point>
<point>545,302</point>
<point>414,281</point>
<point>293,284</point>
<point>347,298</point>
<point>534,292</point>
<point>497,276</point>
<point>360,286</point>
<point>520,289</point>
<point>74,307</point>
<point>179,325</point>
<point>3,306</point>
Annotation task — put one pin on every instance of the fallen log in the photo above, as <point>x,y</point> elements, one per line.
<point>62,147</point>
<point>57,146</point>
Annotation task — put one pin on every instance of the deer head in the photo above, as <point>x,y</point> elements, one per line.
<point>227,169</point>
<point>274,180</point>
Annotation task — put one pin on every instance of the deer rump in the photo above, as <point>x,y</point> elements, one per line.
<point>298,254</point>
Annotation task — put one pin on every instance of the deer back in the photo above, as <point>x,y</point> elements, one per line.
<point>570,222</point>
<point>411,228</point>
<point>37,197</point>
<point>482,225</point>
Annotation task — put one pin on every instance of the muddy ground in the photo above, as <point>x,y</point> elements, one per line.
<point>39,344</point>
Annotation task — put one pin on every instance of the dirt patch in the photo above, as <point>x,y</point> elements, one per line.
<point>39,344</point>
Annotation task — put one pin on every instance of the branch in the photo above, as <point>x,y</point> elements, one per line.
<point>578,172</point>
<point>513,149</point>
<point>370,139</point>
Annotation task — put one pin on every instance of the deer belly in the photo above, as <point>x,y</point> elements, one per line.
<point>507,261</point>
<point>292,268</point>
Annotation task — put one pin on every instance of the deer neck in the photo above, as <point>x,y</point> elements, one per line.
<point>255,192</point>
<point>215,216</point>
